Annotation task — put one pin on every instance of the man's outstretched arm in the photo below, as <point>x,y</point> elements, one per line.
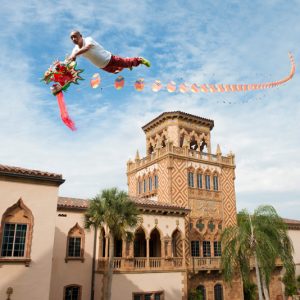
<point>81,51</point>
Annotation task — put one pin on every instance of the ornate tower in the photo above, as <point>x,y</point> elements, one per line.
<point>179,168</point>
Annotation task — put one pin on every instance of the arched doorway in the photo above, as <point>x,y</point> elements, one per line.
<point>139,243</point>
<point>155,244</point>
<point>201,291</point>
<point>176,244</point>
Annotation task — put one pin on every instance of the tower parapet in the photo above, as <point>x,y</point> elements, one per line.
<point>179,128</point>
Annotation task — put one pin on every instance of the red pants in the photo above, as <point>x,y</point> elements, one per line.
<point>117,63</point>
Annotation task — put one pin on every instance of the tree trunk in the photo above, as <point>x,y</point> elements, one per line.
<point>265,288</point>
<point>260,296</point>
<point>107,295</point>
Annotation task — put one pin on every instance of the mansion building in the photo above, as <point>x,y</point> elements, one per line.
<point>186,196</point>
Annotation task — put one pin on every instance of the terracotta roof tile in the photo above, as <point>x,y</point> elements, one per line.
<point>156,204</point>
<point>178,114</point>
<point>292,224</point>
<point>16,171</point>
<point>82,204</point>
<point>66,202</point>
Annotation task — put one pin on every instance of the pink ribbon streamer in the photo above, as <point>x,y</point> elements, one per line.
<point>63,111</point>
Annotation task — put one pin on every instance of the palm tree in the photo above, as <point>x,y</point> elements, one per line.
<point>114,209</point>
<point>262,237</point>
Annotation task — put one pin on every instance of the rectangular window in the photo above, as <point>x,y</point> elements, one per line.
<point>207,182</point>
<point>156,181</point>
<point>206,249</point>
<point>191,179</point>
<point>145,186</point>
<point>216,187</point>
<point>217,248</point>
<point>14,239</point>
<point>199,181</point>
<point>148,296</point>
<point>74,247</point>
<point>150,184</point>
<point>195,248</point>
<point>140,187</point>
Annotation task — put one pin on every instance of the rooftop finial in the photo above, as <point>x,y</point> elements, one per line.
<point>219,152</point>
<point>137,156</point>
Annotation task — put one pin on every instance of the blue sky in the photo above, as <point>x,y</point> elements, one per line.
<point>186,41</point>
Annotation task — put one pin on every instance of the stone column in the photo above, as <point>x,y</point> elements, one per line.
<point>147,251</point>
<point>131,249</point>
<point>106,246</point>
<point>100,247</point>
<point>169,247</point>
<point>123,248</point>
<point>183,252</point>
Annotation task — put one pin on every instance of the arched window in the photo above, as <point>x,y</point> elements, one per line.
<point>72,292</point>
<point>199,180</point>
<point>150,149</point>
<point>216,182</point>
<point>218,291</point>
<point>164,141</point>
<point>203,145</point>
<point>207,181</point>
<point>217,248</point>
<point>16,233</point>
<point>193,144</point>
<point>155,181</point>
<point>150,183</point>
<point>191,178</point>
<point>75,244</point>
<point>195,248</point>
<point>139,186</point>
<point>206,249</point>
<point>201,290</point>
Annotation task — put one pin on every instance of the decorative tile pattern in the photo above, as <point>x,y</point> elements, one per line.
<point>229,202</point>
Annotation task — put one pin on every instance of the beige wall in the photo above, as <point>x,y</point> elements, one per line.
<point>295,237</point>
<point>31,282</point>
<point>72,272</point>
<point>165,224</point>
<point>123,285</point>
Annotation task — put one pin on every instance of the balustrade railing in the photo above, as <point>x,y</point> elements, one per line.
<point>183,152</point>
<point>177,262</point>
<point>139,263</point>
<point>117,263</point>
<point>155,263</point>
<point>205,263</point>
<point>160,263</point>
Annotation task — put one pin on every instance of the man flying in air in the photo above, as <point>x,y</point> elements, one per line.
<point>100,57</point>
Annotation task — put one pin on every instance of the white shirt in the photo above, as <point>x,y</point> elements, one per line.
<point>96,54</point>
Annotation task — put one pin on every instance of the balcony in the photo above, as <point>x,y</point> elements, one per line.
<point>154,264</point>
<point>142,264</point>
<point>204,264</point>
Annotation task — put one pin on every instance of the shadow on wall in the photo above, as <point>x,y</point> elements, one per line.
<point>23,280</point>
<point>72,272</point>
<point>26,282</point>
<point>124,285</point>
